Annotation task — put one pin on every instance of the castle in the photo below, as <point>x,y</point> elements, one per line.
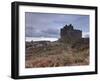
<point>69,34</point>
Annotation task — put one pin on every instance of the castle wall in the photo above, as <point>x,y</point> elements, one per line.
<point>70,34</point>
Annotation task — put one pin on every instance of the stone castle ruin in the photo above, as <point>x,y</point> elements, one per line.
<point>69,34</point>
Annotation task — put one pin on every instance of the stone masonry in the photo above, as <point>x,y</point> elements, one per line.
<point>69,34</point>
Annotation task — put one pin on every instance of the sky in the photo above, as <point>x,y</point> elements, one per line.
<point>49,24</point>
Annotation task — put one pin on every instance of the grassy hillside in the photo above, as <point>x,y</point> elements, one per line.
<point>57,54</point>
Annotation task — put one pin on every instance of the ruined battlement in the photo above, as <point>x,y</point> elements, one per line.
<point>68,33</point>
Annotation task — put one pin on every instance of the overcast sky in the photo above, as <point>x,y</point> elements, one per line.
<point>49,25</point>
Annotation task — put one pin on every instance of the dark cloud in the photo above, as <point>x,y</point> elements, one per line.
<point>30,31</point>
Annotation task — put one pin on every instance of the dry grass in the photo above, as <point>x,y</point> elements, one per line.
<point>57,56</point>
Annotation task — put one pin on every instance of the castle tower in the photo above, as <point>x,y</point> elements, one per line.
<point>69,34</point>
